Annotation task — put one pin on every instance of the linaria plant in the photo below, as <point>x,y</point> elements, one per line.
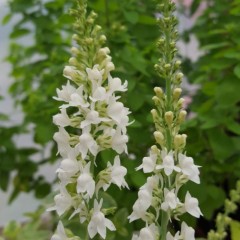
<point>223,220</point>
<point>91,119</point>
<point>168,167</point>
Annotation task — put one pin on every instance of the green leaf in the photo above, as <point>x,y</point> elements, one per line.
<point>214,46</point>
<point>6,18</point>
<point>235,230</point>
<point>131,16</point>
<point>17,33</point>
<point>237,70</point>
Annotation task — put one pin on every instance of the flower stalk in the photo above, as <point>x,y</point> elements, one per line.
<point>91,120</point>
<point>167,164</point>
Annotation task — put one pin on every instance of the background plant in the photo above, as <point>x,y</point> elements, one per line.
<point>214,133</point>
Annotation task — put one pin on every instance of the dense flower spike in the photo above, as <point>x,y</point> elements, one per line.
<point>91,119</point>
<point>168,164</point>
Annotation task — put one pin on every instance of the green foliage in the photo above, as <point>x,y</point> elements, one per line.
<point>213,135</point>
<point>32,229</point>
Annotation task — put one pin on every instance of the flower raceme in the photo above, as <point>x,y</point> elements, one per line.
<point>91,119</point>
<point>167,164</point>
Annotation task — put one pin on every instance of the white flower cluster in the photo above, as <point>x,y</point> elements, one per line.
<point>177,169</point>
<point>90,120</point>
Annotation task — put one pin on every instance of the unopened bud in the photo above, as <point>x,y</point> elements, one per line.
<point>73,61</point>
<point>176,93</point>
<point>104,51</point>
<point>159,137</point>
<point>110,66</point>
<point>169,117</point>
<point>159,92</point>
<point>156,100</point>
<point>74,51</point>
<point>89,40</point>
<point>167,66</point>
<point>75,37</point>
<point>155,149</point>
<point>103,39</point>
<point>182,116</point>
<point>180,102</point>
<point>180,141</point>
<point>154,114</point>
<point>178,63</point>
<point>98,28</point>
<point>179,76</point>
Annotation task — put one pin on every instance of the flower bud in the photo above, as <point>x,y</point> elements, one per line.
<point>179,77</point>
<point>180,141</point>
<point>182,116</point>
<point>75,37</point>
<point>102,39</point>
<point>178,63</point>
<point>169,117</point>
<point>110,66</point>
<point>159,137</point>
<point>156,100</point>
<point>89,40</point>
<point>159,92</point>
<point>73,61</point>
<point>154,114</point>
<point>180,103</point>
<point>176,93</point>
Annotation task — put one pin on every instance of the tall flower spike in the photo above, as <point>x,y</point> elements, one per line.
<point>158,203</point>
<point>91,120</point>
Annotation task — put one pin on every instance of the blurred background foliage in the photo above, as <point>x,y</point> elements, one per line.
<point>213,133</point>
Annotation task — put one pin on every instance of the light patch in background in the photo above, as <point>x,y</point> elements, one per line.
<point>26,202</point>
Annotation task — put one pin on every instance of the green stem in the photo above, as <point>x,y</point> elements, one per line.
<point>164,224</point>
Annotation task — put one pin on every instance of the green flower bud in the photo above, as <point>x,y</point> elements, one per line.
<point>176,93</point>
<point>159,92</point>
<point>159,137</point>
<point>169,117</point>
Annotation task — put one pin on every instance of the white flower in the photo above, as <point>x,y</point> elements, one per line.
<point>62,138</point>
<point>65,93</point>
<point>170,200</point>
<point>115,84</point>
<point>63,201</point>
<point>60,233</point>
<point>85,182</point>
<point>189,168</point>
<point>62,119</point>
<point>118,113</point>
<point>87,143</point>
<point>94,75</point>
<point>92,117</point>
<point>119,141</point>
<point>98,222</point>
<point>168,163</point>
<point>99,94</point>
<point>68,168</point>
<point>118,173</point>
<point>77,99</point>
<point>143,202</point>
<point>149,163</point>
<point>147,233</point>
<point>187,232</point>
<point>176,237</point>
<point>191,206</point>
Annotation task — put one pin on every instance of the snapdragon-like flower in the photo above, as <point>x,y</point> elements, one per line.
<point>147,233</point>
<point>92,119</point>
<point>98,222</point>
<point>60,233</point>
